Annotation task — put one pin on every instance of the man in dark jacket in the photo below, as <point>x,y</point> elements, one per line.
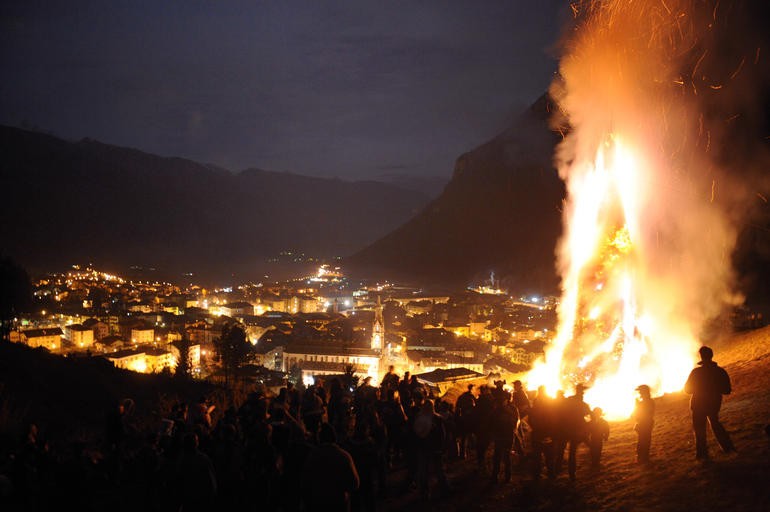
<point>707,383</point>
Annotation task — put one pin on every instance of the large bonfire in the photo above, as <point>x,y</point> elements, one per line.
<point>645,255</point>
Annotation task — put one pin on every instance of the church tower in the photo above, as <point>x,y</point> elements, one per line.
<point>378,328</point>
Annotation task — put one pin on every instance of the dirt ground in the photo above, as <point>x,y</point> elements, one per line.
<point>673,481</point>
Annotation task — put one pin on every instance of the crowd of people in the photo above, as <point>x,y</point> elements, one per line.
<point>328,445</point>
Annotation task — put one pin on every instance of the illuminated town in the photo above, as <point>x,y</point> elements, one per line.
<point>317,325</point>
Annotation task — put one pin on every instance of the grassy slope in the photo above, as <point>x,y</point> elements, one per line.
<point>673,481</point>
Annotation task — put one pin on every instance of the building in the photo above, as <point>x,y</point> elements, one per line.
<point>111,344</point>
<point>80,336</point>
<point>49,337</point>
<point>142,335</point>
<point>201,334</point>
<point>440,380</point>
<point>238,309</point>
<point>101,329</point>
<point>131,359</point>
<point>156,359</point>
<point>330,358</point>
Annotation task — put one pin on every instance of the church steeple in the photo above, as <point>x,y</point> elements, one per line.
<point>378,328</point>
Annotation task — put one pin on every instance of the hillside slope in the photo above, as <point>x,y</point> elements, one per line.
<point>673,481</point>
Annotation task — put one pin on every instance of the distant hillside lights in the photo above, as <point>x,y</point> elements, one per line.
<point>327,274</point>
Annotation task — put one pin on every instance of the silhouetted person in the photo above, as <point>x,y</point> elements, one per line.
<point>312,410</point>
<point>339,407</point>
<point>364,399</point>
<point>394,419</point>
<point>329,476</point>
<point>572,413</point>
<point>404,392</point>
<point>707,383</point>
<point>430,433</point>
<point>504,421</point>
<point>200,414</point>
<point>390,380</point>
<point>542,422</point>
<point>416,387</point>
<point>643,415</point>
<point>521,400</point>
<point>598,433</point>
<point>196,481</point>
<point>228,460</point>
<point>363,450</point>
<point>464,406</point>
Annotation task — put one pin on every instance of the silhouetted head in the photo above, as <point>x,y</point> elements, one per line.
<point>470,387</point>
<point>644,390</point>
<point>517,384</point>
<point>706,354</point>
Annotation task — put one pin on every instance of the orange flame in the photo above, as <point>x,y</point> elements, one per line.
<point>642,257</point>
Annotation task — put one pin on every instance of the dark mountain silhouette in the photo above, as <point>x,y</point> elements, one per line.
<point>81,202</point>
<point>499,213</point>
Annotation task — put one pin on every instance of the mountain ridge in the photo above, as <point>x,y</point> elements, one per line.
<point>90,201</point>
<point>499,213</point>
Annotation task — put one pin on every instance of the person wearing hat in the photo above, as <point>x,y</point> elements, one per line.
<point>571,414</point>
<point>598,433</point>
<point>707,383</point>
<point>643,414</point>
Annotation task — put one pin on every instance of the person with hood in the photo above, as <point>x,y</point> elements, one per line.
<point>707,383</point>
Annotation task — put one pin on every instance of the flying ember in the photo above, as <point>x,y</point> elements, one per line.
<point>642,256</point>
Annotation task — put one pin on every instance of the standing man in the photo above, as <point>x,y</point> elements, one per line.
<point>707,383</point>
<point>644,413</point>
<point>522,403</point>
<point>572,413</point>
<point>464,412</point>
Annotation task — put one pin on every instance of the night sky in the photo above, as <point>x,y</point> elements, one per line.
<point>358,89</point>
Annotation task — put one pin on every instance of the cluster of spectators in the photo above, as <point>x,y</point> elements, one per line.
<point>330,446</point>
<point>327,445</point>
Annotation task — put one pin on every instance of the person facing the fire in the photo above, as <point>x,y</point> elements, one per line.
<point>644,410</point>
<point>598,434</point>
<point>707,383</point>
<point>572,413</point>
